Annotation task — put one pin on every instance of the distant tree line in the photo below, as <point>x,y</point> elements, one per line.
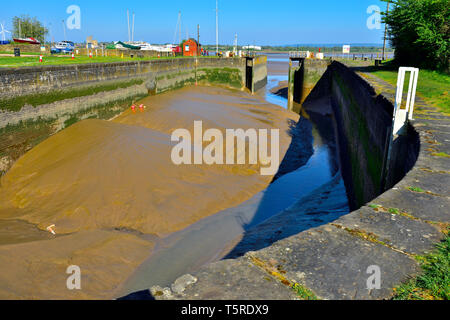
<point>25,26</point>
<point>419,30</point>
<point>325,49</point>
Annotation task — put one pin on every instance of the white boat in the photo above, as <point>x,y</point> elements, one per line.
<point>65,45</point>
<point>158,48</point>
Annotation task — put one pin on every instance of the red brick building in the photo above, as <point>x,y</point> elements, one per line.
<point>191,48</point>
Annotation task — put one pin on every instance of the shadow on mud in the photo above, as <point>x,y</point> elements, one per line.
<point>140,295</point>
<point>321,206</point>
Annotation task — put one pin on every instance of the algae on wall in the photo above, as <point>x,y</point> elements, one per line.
<point>17,139</point>
<point>228,77</point>
<point>223,76</point>
<point>16,103</point>
<point>365,156</point>
<point>31,116</point>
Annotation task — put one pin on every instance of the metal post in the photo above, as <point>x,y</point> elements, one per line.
<point>128,20</point>
<point>217,27</point>
<point>385,33</point>
<point>64,27</point>
<point>132,30</point>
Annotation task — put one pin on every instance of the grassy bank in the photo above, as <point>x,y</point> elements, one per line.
<point>433,86</point>
<point>49,60</point>
<point>434,282</point>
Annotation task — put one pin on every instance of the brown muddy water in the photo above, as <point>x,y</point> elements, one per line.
<point>130,218</point>
<point>306,192</point>
<point>112,191</point>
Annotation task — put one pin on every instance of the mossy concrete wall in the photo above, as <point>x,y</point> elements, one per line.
<point>36,102</point>
<point>283,259</point>
<point>363,123</point>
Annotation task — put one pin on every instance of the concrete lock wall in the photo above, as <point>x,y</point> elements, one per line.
<point>303,78</point>
<point>36,102</point>
<point>363,123</point>
<point>121,52</point>
<point>259,73</point>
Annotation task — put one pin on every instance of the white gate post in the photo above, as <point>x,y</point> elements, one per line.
<point>400,116</point>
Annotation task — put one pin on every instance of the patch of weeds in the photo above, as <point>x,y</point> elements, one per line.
<point>434,282</point>
<point>362,234</point>
<point>416,189</point>
<point>441,154</point>
<point>394,210</point>
<point>374,206</point>
<point>303,292</point>
<point>434,171</point>
<point>70,122</point>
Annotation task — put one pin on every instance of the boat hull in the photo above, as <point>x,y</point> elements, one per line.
<point>26,40</point>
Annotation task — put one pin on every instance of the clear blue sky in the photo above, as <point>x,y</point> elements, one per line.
<point>260,22</point>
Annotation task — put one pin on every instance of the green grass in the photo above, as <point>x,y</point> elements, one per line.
<point>394,210</point>
<point>441,154</point>
<point>434,282</point>
<point>15,62</point>
<point>433,86</point>
<point>416,189</point>
<point>304,293</point>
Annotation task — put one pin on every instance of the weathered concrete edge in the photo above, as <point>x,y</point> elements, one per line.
<point>400,263</point>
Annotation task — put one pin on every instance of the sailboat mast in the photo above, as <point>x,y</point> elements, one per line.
<point>180,30</point>
<point>64,27</point>
<point>128,19</point>
<point>217,26</point>
<point>132,32</point>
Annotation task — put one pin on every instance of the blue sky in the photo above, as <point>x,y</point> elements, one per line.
<point>259,22</point>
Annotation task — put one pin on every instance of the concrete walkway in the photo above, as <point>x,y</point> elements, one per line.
<point>331,260</point>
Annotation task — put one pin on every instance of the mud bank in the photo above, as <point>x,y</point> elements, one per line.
<point>280,260</point>
<point>36,102</point>
<point>308,180</point>
<point>112,191</point>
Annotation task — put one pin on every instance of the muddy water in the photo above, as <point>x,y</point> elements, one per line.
<point>129,217</point>
<point>309,168</point>
<point>112,191</point>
